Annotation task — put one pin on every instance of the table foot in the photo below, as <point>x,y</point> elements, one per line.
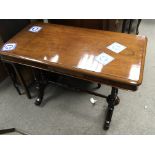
<point>41,83</point>
<point>98,86</point>
<point>112,100</point>
<point>40,94</point>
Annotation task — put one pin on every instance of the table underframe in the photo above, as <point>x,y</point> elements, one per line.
<point>42,81</point>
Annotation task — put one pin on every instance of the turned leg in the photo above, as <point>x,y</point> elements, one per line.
<point>112,100</point>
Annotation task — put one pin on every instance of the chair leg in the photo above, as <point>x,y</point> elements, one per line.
<point>124,25</point>
<point>130,25</point>
<point>137,28</point>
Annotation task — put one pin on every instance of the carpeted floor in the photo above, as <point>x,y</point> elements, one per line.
<point>68,112</point>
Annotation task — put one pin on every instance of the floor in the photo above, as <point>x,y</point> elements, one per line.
<point>68,112</point>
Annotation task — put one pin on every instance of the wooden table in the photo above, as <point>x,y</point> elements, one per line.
<point>67,50</point>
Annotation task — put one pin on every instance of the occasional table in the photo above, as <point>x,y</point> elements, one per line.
<point>114,59</point>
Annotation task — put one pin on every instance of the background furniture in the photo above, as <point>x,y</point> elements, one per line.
<point>117,25</point>
<point>128,25</point>
<point>100,24</point>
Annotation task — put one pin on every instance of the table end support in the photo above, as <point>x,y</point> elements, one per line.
<point>112,101</point>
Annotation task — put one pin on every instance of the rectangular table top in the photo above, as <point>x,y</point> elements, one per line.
<point>72,51</point>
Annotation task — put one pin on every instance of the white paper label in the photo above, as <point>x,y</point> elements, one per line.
<point>116,47</point>
<point>9,47</point>
<point>35,29</point>
<point>104,58</point>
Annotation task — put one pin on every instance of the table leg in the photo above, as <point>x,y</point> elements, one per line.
<point>12,75</point>
<point>21,79</point>
<point>40,94</point>
<point>112,100</point>
<point>98,85</point>
<point>41,84</point>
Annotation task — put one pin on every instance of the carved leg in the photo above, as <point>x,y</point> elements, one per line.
<point>112,100</point>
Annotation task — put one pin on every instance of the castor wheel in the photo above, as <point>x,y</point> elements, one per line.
<point>38,101</point>
<point>106,125</point>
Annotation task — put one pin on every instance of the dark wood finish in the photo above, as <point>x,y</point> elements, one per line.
<point>60,48</point>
